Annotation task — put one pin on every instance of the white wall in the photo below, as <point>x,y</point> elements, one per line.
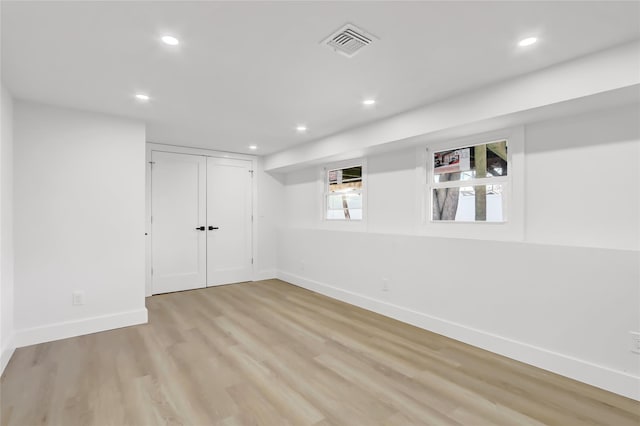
<point>6,229</point>
<point>582,180</point>
<point>79,222</point>
<point>269,215</point>
<point>564,298</point>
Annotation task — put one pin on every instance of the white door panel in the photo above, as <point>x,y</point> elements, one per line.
<point>178,207</point>
<point>229,207</point>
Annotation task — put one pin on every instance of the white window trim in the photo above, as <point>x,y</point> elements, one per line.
<point>512,229</point>
<point>343,224</point>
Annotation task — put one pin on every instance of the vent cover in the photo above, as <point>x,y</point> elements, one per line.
<point>348,40</point>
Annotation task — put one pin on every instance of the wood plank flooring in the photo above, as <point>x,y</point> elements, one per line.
<point>269,353</point>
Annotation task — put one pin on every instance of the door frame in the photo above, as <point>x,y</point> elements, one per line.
<point>152,146</point>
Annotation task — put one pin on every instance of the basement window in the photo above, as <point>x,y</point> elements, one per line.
<point>344,193</point>
<point>470,183</point>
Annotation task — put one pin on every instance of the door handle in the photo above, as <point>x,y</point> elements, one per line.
<point>211,228</point>
<point>200,228</point>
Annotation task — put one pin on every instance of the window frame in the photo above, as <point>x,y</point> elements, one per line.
<point>324,170</point>
<point>512,226</point>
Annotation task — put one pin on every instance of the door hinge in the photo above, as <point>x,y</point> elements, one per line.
<point>151,271</point>
<point>252,260</point>
<point>152,163</point>
<point>251,171</point>
<point>152,219</point>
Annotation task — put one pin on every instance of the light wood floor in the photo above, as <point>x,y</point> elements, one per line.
<point>269,353</point>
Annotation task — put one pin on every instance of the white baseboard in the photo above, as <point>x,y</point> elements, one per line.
<point>611,380</point>
<point>64,330</point>
<point>7,353</point>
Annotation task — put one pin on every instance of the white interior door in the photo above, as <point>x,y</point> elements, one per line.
<point>178,208</point>
<point>229,207</point>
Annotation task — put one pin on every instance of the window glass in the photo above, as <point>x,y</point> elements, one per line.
<point>483,203</point>
<point>471,162</point>
<point>344,180</point>
<point>344,194</point>
<point>469,183</point>
<point>344,206</point>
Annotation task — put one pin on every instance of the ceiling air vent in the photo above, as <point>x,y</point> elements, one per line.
<point>348,40</point>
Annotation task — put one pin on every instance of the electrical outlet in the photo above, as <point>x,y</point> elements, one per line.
<point>77,298</point>
<point>385,284</point>
<point>635,341</point>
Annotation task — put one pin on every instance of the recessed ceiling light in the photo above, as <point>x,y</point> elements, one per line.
<point>301,128</point>
<point>142,97</point>
<point>170,40</point>
<point>253,147</point>
<point>527,41</point>
<point>369,102</point>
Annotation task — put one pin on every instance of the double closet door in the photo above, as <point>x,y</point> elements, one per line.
<point>201,221</point>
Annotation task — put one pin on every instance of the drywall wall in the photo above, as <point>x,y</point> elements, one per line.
<point>506,102</point>
<point>79,222</point>
<point>270,196</point>
<point>564,298</point>
<point>6,229</point>
<point>570,167</point>
<point>582,180</point>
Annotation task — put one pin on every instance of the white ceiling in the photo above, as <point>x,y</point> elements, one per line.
<point>249,72</point>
